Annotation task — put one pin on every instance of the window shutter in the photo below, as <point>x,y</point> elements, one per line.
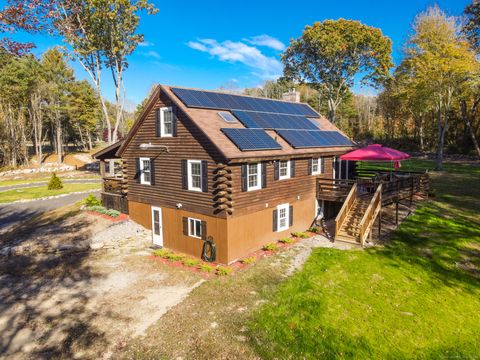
<point>310,161</point>
<point>290,216</point>
<point>292,168</point>
<point>204,176</point>
<point>204,230</point>
<point>244,177</point>
<point>184,175</point>
<point>264,175</point>
<point>157,123</point>
<point>137,170</point>
<point>174,120</point>
<point>322,165</point>
<point>276,172</point>
<point>185,226</point>
<point>152,171</point>
<point>275,220</point>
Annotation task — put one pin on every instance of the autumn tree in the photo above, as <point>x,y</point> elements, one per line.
<point>330,54</point>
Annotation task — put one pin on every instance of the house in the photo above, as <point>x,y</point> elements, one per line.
<point>235,171</point>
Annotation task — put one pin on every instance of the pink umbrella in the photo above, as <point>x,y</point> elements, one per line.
<point>375,152</point>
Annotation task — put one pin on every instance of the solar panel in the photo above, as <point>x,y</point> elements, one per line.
<point>314,138</point>
<point>212,100</point>
<point>264,120</point>
<point>251,139</point>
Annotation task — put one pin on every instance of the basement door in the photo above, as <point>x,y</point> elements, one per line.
<point>157,231</point>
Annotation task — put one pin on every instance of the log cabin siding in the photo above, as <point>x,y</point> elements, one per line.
<point>190,143</point>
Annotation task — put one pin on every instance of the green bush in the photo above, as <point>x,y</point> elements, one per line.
<point>206,267</point>
<point>286,240</point>
<point>162,253</point>
<point>55,183</point>
<point>270,247</point>
<point>248,260</point>
<point>103,210</point>
<point>91,200</point>
<point>300,234</point>
<point>111,212</point>
<point>313,229</point>
<point>191,262</point>
<point>224,270</point>
<point>174,257</point>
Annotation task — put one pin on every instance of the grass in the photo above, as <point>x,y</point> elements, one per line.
<point>45,179</point>
<point>417,297</point>
<point>42,191</point>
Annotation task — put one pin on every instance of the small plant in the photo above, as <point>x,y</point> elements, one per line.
<point>55,183</point>
<point>248,260</point>
<point>224,270</point>
<point>270,247</point>
<point>313,229</point>
<point>300,235</point>
<point>162,253</point>
<point>91,200</point>
<point>191,262</point>
<point>206,267</point>
<point>103,210</point>
<point>286,240</point>
<point>111,212</point>
<point>174,257</point>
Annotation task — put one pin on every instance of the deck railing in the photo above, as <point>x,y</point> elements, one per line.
<point>345,208</point>
<point>368,219</point>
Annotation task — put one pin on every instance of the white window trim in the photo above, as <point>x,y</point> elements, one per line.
<point>142,174</point>
<point>287,217</point>
<point>320,162</point>
<point>162,122</point>
<point>289,168</point>
<point>189,175</point>
<point>259,177</point>
<point>189,228</point>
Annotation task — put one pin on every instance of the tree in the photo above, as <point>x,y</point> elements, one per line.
<point>330,54</point>
<point>471,27</point>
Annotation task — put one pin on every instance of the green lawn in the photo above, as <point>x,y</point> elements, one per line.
<point>44,179</point>
<point>42,191</point>
<point>416,298</point>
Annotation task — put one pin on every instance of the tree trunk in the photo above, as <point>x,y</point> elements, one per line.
<point>442,129</point>
<point>468,124</point>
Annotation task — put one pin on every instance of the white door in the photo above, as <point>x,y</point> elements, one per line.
<point>157,232</point>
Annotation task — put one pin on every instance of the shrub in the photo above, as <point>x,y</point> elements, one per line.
<point>286,240</point>
<point>111,212</point>
<point>313,229</point>
<point>174,257</point>
<point>224,270</point>
<point>300,234</point>
<point>191,262</point>
<point>162,253</point>
<point>55,183</point>
<point>91,200</point>
<point>103,210</point>
<point>270,247</point>
<point>248,260</point>
<point>206,267</point>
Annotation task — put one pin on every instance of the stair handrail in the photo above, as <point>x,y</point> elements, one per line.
<point>370,214</point>
<point>342,214</point>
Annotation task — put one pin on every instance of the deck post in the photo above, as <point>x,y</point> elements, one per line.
<point>396,213</point>
<point>379,224</point>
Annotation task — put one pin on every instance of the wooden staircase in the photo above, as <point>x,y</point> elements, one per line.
<point>355,220</point>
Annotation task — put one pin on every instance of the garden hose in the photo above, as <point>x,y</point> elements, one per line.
<point>209,252</point>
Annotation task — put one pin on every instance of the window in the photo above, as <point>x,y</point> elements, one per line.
<point>145,171</point>
<point>194,175</point>
<point>284,169</point>
<point>254,174</point>
<point>227,117</point>
<point>283,217</point>
<point>195,228</point>
<point>166,121</point>
<point>317,166</point>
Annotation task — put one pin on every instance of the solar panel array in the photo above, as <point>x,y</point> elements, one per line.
<point>261,120</point>
<point>251,139</point>
<point>314,138</point>
<point>212,100</point>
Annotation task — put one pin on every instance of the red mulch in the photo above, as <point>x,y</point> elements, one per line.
<point>120,217</point>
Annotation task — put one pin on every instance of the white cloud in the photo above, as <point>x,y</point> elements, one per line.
<point>268,41</point>
<point>145,44</point>
<point>152,54</point>
<point>238,52</point>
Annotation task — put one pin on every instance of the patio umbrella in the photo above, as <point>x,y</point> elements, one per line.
<point>375,152</point>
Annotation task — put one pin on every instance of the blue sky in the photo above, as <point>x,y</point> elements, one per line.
<point>209,44</point>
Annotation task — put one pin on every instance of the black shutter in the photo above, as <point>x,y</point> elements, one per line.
<point>204,230</point>
<point>244,177</point>
<point>185,225</point>
<point>275,221</point>
<point>204,176</point>
<point>137,170</point>
<point>310,161</point>
<point>184,175</point>
<point>157,123</point>
<point>174,120</point>
<point>264,175</point>
<point>276,171</point>
<point>290,216</point>
<point>322,164</point>
<point>292,168</point>
<point>152,171</point>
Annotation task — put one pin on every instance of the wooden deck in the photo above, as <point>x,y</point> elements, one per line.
<point>114,194</point>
